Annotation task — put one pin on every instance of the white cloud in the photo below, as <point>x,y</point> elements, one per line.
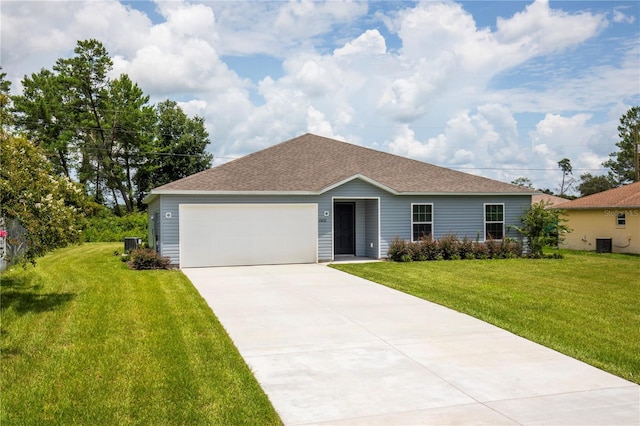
<point>404,143</point>
<point>590,160</point>
<point>370,42</point>
<point>303,19</point>
<point>190,20</point>
<point>319,125</point>
<point>193,107</point>
<point>621,17</point>
<point>573,137</point>
<point>554,125</point>
<point>540,29</point>
<point>441,96</point>
<point>35,34</point>
<point>279,28</point>
<point>313,76</point>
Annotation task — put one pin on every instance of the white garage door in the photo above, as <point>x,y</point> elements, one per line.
<point>248,234</point>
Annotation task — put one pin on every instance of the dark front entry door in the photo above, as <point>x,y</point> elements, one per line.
<point>344,220</point>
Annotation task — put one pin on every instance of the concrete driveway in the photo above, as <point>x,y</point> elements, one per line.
<point>328,347</point>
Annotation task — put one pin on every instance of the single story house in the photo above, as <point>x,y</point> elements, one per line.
<point>311,199</point>
<point>608,221</point>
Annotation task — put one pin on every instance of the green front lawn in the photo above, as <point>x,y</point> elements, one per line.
<point>586,305</point>
<point>85,340</point>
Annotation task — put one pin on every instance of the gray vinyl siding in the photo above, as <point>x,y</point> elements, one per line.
<point>377,211</point>
<point>459,215</point>
<point>371,229</point>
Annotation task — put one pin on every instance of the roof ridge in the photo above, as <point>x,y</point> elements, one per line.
<point>622,196</point>
<point>384,153</point>
<point>310,163</point>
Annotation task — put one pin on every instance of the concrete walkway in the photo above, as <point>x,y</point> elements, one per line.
<point>330,348</point>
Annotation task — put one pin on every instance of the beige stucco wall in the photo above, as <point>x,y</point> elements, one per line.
<point>587,225</point>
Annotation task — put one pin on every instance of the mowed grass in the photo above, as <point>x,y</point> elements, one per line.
<point>85,340</point>
<point>586,305</point>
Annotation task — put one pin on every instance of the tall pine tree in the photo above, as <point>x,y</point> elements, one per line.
<point>622,164</point>
<point>103,133</point>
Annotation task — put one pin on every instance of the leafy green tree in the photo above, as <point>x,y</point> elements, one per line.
<point>49,207</point>
<point>622,164</point>
<point>129,139</point>
<point>542,226</point>
<point>178,149</point>
<point>94,128</point>
<point>590,184</point>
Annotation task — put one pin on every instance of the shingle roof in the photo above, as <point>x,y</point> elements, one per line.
<point>623,197</point>
<point>552,200</point>
<point>314,164</point>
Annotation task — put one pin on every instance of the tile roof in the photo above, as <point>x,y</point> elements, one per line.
<point>623,197</point>
<point>314,164</point>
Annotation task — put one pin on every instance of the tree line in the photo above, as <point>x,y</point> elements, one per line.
<point>103,133</point>
<point>77,144</point>
<point>623,164</point>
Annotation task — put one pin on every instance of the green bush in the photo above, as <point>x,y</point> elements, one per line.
<point>399,251</point>
<point>466,249</point>
<point>431,249</point>
<point>504,249</point>
<point>107,227</point>
<point>481,251</point>
<point>146,258</point>
<point>450,247</point>
<point>543,226</point>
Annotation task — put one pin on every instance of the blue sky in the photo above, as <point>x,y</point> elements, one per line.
<point>504,89</point>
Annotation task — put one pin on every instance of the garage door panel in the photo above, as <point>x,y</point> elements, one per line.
<point>247,234</point>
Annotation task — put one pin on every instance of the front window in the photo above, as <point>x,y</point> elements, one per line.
<point>493,221</point>
<point>421,221</point>
<point>622,220</point>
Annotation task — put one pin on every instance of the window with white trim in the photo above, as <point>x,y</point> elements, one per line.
<point>493,221</point>
<point>421,221</point>
<point>622,220</point>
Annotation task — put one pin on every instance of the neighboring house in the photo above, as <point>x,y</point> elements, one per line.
<point>311,199</point>
<point>550,200</point>
<point>608,221</point>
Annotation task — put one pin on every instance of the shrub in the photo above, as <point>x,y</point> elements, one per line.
<point>465,249</point>
<point>481,251</point>
<point>514,248</point>
<point>431,249</point>
<point>146,258</point>
<point>107,227</point>
<point>503,249</point>
<point>493,248</point>
<point>543,226</point>
<point>449,247</point>
<point>415,249</point>
<point>399,251</point>
<point>46,209</point>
